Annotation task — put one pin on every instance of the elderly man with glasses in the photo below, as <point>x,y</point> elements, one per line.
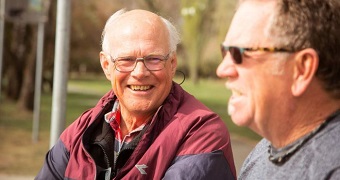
<point>147,126</point>
<point>281,59</point>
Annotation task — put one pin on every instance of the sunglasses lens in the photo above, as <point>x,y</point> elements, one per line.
<point>236,54</point>
<point>223,51</point>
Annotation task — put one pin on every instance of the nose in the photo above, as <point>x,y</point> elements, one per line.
<point>140,69</point>
<point>226,68</point>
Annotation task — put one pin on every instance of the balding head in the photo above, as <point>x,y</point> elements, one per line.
<point>134,22</point>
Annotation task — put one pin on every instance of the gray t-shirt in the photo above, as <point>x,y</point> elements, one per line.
<point>317,158</point>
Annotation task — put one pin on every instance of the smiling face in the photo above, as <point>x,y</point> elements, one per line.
<point>259,82</point>
<point>140,92</point>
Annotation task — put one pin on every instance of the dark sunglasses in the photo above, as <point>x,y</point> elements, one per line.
<point>237,52</point>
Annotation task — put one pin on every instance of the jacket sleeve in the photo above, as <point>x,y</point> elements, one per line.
<point>55,163</point>
<point>200,166</point>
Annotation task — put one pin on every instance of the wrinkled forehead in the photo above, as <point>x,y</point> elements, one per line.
<point>251,23</point>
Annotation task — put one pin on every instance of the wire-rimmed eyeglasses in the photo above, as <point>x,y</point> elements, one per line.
<point>237,52</point>
<point>151,62</point>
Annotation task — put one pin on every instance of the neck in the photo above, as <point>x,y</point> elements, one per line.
<point>129,123</point>
<point>305,118</point>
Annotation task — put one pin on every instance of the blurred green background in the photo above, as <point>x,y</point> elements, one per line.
<point>201,23</point>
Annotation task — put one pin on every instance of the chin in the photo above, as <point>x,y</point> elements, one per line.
<point>242,122</point>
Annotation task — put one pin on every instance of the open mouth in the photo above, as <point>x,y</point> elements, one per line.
<point>236,92</point>
<point>139,88</point>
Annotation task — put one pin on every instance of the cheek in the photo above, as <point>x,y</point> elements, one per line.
<point>170,77</point>
<point>259,93</point>
<point>269,98</point>
<point>117,82</point>
<point>167,74</point>
<point>165,81</point>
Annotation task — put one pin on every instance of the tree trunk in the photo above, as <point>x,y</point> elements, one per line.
<point>14,82</point>
<point>13,52</point>
<point>26,99</point>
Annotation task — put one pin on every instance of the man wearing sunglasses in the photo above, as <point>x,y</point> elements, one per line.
<point>147,126</point>
<point>281,59</point>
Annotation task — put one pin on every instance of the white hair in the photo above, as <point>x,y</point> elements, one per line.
<point>111,20</point>
<point>174,38</point>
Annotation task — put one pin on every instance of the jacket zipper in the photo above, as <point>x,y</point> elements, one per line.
<point>104,107</point>
<point>115,170</point>
<point>105,155</point>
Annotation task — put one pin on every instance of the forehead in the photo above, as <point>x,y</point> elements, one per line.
<point>249,27</point>
<point>141,30</point>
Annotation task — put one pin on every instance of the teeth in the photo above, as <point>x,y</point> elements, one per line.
<point>237,93</point>
<point>140,88</point>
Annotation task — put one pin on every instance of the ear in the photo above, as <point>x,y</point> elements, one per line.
<point>306,63</point>
<point>173,64</point>
<point>105,63</point>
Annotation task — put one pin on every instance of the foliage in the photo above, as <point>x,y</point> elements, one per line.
<point>204,25</point>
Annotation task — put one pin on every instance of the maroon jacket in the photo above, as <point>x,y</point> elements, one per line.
<point>184,140</point>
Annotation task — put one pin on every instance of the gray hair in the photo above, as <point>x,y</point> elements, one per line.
<point>174,38</point>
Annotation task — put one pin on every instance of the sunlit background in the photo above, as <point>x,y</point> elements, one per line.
<point>201,23</point>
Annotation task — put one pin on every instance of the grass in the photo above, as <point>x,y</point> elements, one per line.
<point>20,156</point>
